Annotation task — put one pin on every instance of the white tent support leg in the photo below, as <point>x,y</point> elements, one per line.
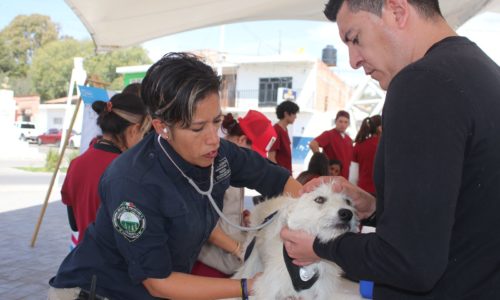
<point>78,77</point>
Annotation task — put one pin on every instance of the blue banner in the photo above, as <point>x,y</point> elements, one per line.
<point>91,94</point>
<point>300,148</point>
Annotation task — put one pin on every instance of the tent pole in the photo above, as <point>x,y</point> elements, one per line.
<point>54,175</point>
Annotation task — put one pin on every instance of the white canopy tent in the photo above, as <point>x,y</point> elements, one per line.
<point>120,23</point>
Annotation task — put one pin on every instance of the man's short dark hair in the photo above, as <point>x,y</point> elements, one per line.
<point>342,113</point>
<point>428,8</point>
<point>286,106</point>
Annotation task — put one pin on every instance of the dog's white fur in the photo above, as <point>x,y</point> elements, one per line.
<point>305,213</point>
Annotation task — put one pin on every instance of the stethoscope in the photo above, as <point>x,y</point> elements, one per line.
<point>208,193</point>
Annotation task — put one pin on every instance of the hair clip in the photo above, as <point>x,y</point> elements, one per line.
<point>109,106</point>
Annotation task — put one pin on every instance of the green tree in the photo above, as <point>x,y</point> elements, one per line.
<point>6,58</point>
<point>52,66</point>
<point>23,36</point>
<point>53,63</point>
<point>104,65</point>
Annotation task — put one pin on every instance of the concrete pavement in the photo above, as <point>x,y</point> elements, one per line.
<point>25,271</point>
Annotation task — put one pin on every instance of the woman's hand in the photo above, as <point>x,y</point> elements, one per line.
<point>363,202</point>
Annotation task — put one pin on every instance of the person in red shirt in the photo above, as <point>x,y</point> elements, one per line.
<point>281,151</point>
<point>365,147</point>
<point>124,121</point>
<point>336,143</point>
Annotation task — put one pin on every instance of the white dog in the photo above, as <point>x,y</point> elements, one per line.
<point>322,213</point>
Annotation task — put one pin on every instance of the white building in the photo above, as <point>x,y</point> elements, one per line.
<point>51,114</point>
<point>262,82</point>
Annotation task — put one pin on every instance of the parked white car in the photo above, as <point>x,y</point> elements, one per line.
<point>26,131</point>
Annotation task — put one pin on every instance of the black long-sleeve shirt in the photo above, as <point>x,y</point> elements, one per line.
<point>437,174</point>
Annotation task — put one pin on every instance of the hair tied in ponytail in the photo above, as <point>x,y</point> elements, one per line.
<point>109,106</point>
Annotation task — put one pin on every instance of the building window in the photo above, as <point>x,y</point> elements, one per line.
<point>58,121</point>
<point>268,89</point>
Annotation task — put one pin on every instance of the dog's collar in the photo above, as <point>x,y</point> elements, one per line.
<point>250,246</point>
<point>301,279</point>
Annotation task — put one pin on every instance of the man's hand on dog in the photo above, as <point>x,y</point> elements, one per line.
<point>299,246</point>
<point>363,202</point>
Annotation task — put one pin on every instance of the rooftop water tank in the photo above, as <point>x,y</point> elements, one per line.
<point>329,56</point>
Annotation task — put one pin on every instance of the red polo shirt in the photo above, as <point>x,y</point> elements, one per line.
<point>336,146</point>
<point>80,187</point>
<point>364,155</point>
<point>282,148</point>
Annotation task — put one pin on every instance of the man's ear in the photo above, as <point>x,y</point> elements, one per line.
<point>399,11</point>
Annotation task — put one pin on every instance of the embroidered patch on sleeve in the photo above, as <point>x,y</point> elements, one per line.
<point>129,221</point>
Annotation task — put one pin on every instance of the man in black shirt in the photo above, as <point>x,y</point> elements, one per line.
<point>437,169</point>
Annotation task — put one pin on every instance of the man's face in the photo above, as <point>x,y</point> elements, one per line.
<point>341,124</point>
<point>373,43</point>
<point>290,118</point>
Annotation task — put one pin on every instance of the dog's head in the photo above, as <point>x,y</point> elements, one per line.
<point>322,213</point>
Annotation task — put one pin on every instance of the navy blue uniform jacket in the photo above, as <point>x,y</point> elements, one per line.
<point>152,222</point>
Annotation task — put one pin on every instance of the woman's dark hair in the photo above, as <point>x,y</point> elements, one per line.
<point>230,126</point>
<point>368,128</point>
<point>306,176</point>
<point>175,84</point>
<point>121,111</point>
<point>318,164</point>
<point>133,88</point>
<point>286,106</point>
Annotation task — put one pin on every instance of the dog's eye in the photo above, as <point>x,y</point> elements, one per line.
<point>348,201</point>
<point>320,200</point>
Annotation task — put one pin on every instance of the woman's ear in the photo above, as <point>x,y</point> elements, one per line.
<point>160,128</point>
<point>133,134</point>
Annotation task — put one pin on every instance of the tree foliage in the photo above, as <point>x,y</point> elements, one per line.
<point>33,58</point>
<point>52,66</point>
<point>23,36</point>
<point>104,65</point>
<point>6,58</point>
<point>53,63</point>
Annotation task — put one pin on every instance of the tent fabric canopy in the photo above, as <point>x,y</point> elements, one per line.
<point>121,23</point>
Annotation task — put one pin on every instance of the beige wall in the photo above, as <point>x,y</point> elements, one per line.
<point>332,94</point>
<point>28,107</point>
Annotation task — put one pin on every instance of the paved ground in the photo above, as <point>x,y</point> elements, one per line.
<point>25,271</point>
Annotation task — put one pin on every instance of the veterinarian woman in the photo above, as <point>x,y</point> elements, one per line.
<point>156,210</point>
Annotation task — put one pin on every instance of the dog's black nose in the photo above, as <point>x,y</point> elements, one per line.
<point>345,215</point>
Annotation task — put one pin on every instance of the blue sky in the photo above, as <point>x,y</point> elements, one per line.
<point>253,38</point>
